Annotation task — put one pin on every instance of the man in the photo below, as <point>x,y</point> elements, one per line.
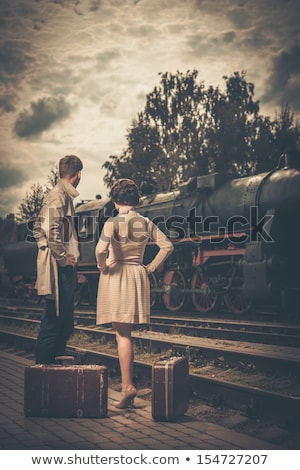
<point>57,257</point>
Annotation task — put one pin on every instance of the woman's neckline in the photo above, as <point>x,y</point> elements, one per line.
<point>126,210</point>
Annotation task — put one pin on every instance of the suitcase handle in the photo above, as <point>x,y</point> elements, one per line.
<point>171,356</point>
<point>64,360</point>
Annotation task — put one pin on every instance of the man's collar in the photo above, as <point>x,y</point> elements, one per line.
<point>72,192</point>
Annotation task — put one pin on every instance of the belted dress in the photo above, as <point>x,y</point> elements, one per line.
<point>124,287</point>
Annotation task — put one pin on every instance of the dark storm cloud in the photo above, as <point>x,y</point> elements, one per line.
<point>41,116</point>
<point>14,59</point>
<point>3,23</point>
<point>229,37</point>
<point>284,82</point>
<point>11,177</point>
<point>241,18</point>
<point>257,39</point>
<point>7,103</point>
<point>95,5</point>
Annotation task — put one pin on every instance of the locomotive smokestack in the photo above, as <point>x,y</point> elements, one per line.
<point>289,160</point>
<point>284,161</point>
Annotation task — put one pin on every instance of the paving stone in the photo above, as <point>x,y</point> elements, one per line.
<point>121,429</point>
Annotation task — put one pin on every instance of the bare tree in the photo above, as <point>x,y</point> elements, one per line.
<point>33,201</point>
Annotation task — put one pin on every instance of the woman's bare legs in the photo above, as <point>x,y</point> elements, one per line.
<point>125,352</point>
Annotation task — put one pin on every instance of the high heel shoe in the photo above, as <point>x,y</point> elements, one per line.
<point>126,398</point>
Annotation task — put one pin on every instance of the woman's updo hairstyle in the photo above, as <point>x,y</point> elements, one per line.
<point>125,192</point>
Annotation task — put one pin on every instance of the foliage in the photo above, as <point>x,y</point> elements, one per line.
<point>33,201</point>
<point>7,228</point>
<point>52,180</point>
<point>186,129</point>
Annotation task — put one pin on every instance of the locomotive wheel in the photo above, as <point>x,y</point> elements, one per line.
<point>203,301</point>
<point>173,297</point>
<point>153,285</point>
<point>236,302</point>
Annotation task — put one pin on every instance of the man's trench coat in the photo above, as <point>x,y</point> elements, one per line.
<point>55,233</point>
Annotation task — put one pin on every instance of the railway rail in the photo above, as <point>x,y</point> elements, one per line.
<point>256,402</point>
<point>271,332</point>
<point>262,357</point>
<point>89,345</point>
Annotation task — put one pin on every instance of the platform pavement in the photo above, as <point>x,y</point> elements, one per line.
<point>131,429</point>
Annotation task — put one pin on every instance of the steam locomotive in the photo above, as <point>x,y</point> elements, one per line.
<point>236,243</point>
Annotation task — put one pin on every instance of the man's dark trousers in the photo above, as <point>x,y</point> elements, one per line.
<point>56,330</point>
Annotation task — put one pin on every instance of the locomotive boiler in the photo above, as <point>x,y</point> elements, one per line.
<point>235,239</point>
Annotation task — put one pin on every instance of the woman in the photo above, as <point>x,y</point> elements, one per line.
<point>124,288</point>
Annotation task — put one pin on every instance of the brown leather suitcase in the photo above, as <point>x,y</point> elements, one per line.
<point>170,388</point>
<point>65,391</point>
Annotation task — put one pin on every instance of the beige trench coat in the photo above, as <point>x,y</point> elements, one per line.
<point>55,233</point>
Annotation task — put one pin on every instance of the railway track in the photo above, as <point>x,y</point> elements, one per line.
<point>262,357</point>
<point>91,344</point>
<point>266,332</point>
<point>262,345</point>
<point>257,403</point>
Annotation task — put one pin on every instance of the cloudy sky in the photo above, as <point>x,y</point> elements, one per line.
<point>75,73</point>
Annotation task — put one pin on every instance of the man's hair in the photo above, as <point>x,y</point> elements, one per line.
<point>125,192</point>
<point>69,166</point>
